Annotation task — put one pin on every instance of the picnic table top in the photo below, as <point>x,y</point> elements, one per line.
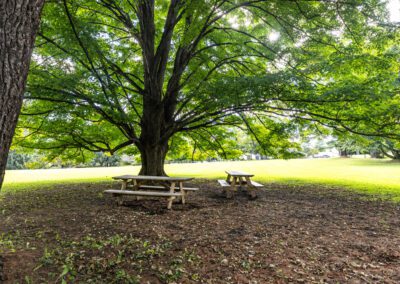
<point>239,174</point>
<point>154,178</point>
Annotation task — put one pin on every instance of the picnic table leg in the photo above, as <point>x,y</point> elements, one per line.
<point>242,183</point>
<point>120,200</point>
<point>251,188</point>
<point>229,192</point>
<point>124,184</point>
<point>183,198</point>
<point>171,199</point>
<point>136,186</point>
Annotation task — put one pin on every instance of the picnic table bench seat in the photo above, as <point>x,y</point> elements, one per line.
<point>256,184</point>
<point>170,195</point>
<point>142,193</point>
<point>224,183</point>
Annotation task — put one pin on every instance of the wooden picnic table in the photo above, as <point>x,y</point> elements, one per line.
<point>238,179</point>
<point>160,186</point>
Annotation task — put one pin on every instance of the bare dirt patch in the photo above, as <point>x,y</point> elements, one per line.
<point>288,234</point>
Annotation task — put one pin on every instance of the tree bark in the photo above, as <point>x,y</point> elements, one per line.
<point>343,153</point>
<point>153,158</point>
<point>19,22</point>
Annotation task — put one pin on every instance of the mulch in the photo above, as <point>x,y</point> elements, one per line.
<point>289,234</point>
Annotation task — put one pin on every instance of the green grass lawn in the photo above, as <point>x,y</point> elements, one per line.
<point>372,176</point>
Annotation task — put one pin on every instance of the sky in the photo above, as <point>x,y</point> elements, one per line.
<point>394,9</point>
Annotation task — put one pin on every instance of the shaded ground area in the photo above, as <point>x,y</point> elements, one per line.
<point>289,234</point>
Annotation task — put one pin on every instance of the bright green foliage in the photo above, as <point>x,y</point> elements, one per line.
<point>348,145</point>
<point>376,147</point>
<point>17,161</point>
<point>203,144</point>
<point>102,160</point>
<point>273,138</point>
<point>385,147</point>
<point>332,63</point>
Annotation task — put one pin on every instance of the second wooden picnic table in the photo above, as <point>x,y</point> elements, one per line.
<point>153,186</point>
<point>238,179</point>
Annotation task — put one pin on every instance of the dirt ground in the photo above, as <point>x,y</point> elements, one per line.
<point>289,234</point>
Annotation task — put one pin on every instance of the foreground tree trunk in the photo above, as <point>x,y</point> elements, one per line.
<point>153,158</point>
<point>153,146</point>
<point>19,22</point>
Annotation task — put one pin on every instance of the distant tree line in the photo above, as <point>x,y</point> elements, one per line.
<point>348,145</point>
<point>278,141</point>
<point>18,161</point>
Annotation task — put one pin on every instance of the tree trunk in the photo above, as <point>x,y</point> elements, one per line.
<point>152,149</point>
<point>396,154</point>
<point>392,153</point>
<point>343,153</point>
<point>158,104</point>
<point>153,158</point>
<point>376,154</point>
<point>19,21</point>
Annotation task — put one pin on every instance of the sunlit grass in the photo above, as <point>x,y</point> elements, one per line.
<point>372,176</point>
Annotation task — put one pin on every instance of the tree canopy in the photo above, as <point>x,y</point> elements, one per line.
<point>114,75</point>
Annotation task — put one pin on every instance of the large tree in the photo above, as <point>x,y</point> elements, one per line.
<point>19,21</point>
<point>110,74</point>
